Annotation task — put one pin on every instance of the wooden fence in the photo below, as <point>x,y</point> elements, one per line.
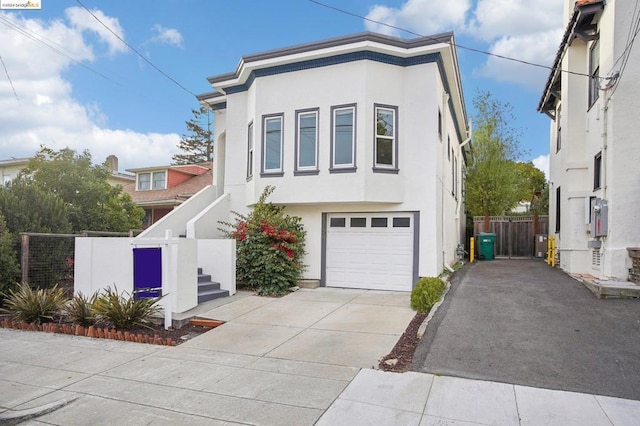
<point>515,235</point>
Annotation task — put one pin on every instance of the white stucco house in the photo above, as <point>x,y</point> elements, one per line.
<point>593,98</point>
<point>364,138</point>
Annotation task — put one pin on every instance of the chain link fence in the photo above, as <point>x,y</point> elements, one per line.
<point>49,259</point>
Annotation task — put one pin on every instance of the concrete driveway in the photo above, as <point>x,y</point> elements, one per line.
<point>522,322</point>
<point>276,361</point>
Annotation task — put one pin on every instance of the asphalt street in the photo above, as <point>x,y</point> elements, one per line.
<point>522,322</point>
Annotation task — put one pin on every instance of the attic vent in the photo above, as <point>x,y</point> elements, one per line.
<point>595,257</point>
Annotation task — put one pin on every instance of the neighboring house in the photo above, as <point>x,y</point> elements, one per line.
<point>117,177</point>
<point>158,190</point>
<point>364,138</point>
<point>9,169</point>
<point>594,103</point>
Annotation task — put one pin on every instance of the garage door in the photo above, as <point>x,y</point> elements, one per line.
<point>372,251</point>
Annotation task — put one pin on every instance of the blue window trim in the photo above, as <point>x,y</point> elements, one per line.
<point>351,57</point>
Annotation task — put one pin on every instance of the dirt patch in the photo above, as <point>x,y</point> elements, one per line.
<point>401,356</point>
<point>154,334</point>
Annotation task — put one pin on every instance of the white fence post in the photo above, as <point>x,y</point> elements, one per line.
<point>167,279</point>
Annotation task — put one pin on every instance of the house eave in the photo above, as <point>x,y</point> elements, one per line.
<point>580,26</point>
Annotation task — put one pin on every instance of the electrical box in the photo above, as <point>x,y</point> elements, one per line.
<point>599,218</point>
<point>541,246</point>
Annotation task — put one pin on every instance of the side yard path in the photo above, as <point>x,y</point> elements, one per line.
<point>522,322</point>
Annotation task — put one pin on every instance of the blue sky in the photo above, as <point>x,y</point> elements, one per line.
<point>102,97</point>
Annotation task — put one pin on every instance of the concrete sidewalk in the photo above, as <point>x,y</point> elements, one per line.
<point>296,360</point>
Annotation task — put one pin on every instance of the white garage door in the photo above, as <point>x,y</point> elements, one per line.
<point>372,250</point>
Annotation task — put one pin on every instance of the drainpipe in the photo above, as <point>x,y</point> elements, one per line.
<point>445,104</point>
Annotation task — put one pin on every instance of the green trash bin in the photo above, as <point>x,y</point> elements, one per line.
<point>486,242</point>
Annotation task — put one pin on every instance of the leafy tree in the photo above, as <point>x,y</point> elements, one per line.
<point>270,246</point>
<point>91,202</point>
<point>532,180</point>
<point>493,178</point>
<point>9,269</point>
<point>197,144</point>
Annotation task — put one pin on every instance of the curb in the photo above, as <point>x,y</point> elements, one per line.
<point>14,417</point>
<point>423,327</point>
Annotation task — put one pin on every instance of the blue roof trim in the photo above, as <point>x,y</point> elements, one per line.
<point>334,60</point>
<point>221,105</point>
<point>345,58</point>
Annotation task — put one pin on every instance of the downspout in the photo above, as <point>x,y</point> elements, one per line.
<point>445,104</point>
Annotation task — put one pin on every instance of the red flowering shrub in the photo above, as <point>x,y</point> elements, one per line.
<point>269,245</point>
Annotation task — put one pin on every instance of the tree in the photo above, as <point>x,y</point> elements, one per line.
<point>197,144</point>
<point>532,180</point>
<point>91,203</point>
<point>9,270</point>
<point>494,182</point>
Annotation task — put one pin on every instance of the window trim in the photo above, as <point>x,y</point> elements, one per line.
<point>344,168</point>
<point>306,170</point>
<point>151,180</point>
<point>558,128</point>
<point>251,150</point>
<point>393,167</point>
<point>597,171</point>
<point>594,74</point>
<point>558,213</point>
<point>264,172</point>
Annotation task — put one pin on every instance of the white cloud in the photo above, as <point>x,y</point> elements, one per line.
<point>419,16</point>
<point>83,21</point>
<point>542,163</point>
<point>494,19</point>
<point>512,28</point>
<point>47,112</point>
<point>169,36</point>
<point>538,48</point>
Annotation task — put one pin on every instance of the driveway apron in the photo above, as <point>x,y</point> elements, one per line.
<point>522,322</point>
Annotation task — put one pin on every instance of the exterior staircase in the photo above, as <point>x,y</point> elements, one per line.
<point>207,289</point>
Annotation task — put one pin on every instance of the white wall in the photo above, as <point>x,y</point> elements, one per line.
<point>218,258</point>
<point>422,184</point>
<point>108,262</point>
<point>207,223</point>
<point>181,215</point>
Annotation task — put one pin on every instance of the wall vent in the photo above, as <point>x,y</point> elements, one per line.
<point>595,258</point>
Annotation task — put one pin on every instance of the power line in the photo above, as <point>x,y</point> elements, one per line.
<point>9,78</point>
<point>459,46</point>
<point>49,44</point>
<point>135,50</point>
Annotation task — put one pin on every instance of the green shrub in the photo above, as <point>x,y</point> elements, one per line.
<point>269,248</point>
<point>9,269</point>
<point>124,312</point>
<point>26,304</point>
<point>427,293</point>
<point>80,309</point>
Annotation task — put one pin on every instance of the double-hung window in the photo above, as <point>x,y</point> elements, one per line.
<point>343,138</point>
<point>306,142</point>
<point>152,180</point>
<point>386,139</point>
<point>594,72</point>
<point>272,145</point>
<point>250,150</point>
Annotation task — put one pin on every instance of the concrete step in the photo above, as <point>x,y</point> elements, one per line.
<point>205,296</point>
<point>203,278</point>
<point>208,285</point>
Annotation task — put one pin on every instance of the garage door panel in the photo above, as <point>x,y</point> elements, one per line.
<point>369,257</point>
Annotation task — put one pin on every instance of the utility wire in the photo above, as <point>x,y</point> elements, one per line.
<point>135,50</point>
<point>459,46</point>
<point>9,78</point>
<point>49,44</point>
